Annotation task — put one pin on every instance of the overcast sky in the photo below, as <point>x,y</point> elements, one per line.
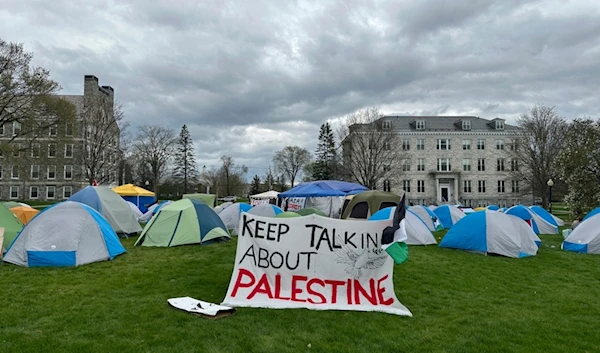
<point>250,77</point>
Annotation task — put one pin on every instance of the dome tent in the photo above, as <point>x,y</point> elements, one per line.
<point>183,222</point>
<point>231,216</point>
<point>111,206</point>
<point>537,223</point>
<point>493,232</point>
<point>136,211</point>
<point>25,214</point>
<point>585,238</point>
<point>288,214</point>
<point>265,210</point>
<point>416,230</point>
<point>593,212</point>
<point>547,216</point>
<point>12,226</point>
<point>448,215</point>
<point>65,234</point>
<point>427,216</point>
<point>309,211</point>
<point>365,204</point>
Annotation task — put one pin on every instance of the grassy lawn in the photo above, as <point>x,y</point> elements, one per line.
<point>461,302</point>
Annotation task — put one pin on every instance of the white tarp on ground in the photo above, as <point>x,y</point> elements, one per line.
<point>312,262</point>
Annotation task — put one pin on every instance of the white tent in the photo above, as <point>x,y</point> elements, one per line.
<point>263,197</point>
<point>426,215</point>
<point>265,210</point>
<point>231,216</point>
<point>222,206</point>
<point>136,211</point>
<point>585,238</point>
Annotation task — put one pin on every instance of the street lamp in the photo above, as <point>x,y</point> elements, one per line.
<point>550,183</point>
<point>147,183</point>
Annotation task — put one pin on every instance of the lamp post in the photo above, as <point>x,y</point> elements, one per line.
<point>550,183</point>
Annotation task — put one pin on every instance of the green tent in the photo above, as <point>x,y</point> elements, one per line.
<point>12,225</point>
<point>365,204</point>
<point>209,199</point>
<point>11,204</point>
<point>287,215</point>
<point>183,222</point>
<point>309,211</point>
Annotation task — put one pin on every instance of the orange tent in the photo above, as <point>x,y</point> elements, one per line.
<point>25,214</point>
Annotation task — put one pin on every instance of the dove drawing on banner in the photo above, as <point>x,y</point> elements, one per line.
<point>367,259</point>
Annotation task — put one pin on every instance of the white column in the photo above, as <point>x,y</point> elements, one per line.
<point>456,190</point>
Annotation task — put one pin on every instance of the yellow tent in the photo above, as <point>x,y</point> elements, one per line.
<point>477,209</point>
<point>132,190</point>
<point>25,214</point>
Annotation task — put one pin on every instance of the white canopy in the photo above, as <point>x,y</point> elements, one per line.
<point>271,194</point>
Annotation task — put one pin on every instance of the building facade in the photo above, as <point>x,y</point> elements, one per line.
<point>53,168</point>
<point>455,159</point>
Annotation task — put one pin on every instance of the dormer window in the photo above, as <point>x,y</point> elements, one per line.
<point>387,124</point>
<point>499,124</point>
<point>466,124</point>
<point>420,124</point>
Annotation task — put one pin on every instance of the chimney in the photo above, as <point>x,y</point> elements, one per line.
<point>91,78</point>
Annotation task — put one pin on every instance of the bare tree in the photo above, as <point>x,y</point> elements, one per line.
<point>290,161</point>
<point>28,104</point>
<point>153,147</point>
<point>233,177</point>
<point>371,153</point>
<point>210,178</point>
<point>535,147</point>
<point>103,127</point>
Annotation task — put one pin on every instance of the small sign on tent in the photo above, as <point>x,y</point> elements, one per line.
<point>312,262</point>
<point>295,203</point>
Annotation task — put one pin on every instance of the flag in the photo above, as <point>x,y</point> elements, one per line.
<point>394,237</point>
<point>95,183</point>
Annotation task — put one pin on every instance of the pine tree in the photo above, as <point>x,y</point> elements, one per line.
<point>255,187</point>
<point>185,167</point>
<point>325,166</point>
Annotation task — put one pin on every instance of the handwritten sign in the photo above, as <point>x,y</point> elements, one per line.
<point>295,203</point>
<point>312,262</point>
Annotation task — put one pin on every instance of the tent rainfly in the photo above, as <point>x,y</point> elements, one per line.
<point>209,199</point>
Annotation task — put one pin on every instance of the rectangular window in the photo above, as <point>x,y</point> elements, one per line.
<point>480,144</point>
<point>481,165</point>
<point>406,185</point>
<point>1,172</point>
<point>67,191</point>
<point>17,150</point>
<point>52,130</point>
<point>514,165</point>
<point>68,172</point>
<point>69,150</point>
<point>499,125</point>
<point>35,150</point>
<point>420,144</point>
<point>466,125</point>
<point>420,124</point>
<point>405,145</point>
<point>500,144</point>
<point>500,165</point>
<point>387,186</point>
<point>1,129</point>
<point>421,164</point>
<point>466,165</point>
<point>501,186</point>
<point>443,144</point>
<point>443,165</point>
<point>481,186</point>
<point>69,130</point>
<point>50,192</point>
<point>35,172</point>
<point>386,147</point>
<point>14,192</point>
<point>51,150</point>
<point>514,146</point>
<point>406,165</point>
<point>16,129</point>
<point>33,192</point>
<point>51,172</point>
<point>387,168</point>
<point>466,144</point>
<point>466,185</point>
<point>515,186</point>
<point>420,185</point>
<point>14,174</point>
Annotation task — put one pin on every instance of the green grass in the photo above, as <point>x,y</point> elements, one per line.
<point>461,302</point>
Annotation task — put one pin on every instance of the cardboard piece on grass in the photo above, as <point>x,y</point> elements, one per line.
<point>202,308</point>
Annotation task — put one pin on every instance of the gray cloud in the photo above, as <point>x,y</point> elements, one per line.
<point>243,74</point>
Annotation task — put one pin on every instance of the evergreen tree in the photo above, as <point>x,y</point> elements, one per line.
<point>325,166</point>
<point>185,168</point>
<point>255,187</point>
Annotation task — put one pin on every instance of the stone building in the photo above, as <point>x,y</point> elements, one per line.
<point>54,167</point>
<point>455,159</point>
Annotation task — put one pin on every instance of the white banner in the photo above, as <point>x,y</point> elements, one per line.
<point>254,202</point>
<point>312,262</point>
<point>295,203</point>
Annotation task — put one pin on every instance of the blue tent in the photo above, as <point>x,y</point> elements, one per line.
<point>547,216</point>
<point>322,188</point>
<point>65,234</point>
<point>593,212</point>
<point>448,215</point>
<point>539,225</point>
<point>427,216</point>
<point>493,207</point>
<point>492,232</point>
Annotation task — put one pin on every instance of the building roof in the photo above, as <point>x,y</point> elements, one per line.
<point>444,123</point>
